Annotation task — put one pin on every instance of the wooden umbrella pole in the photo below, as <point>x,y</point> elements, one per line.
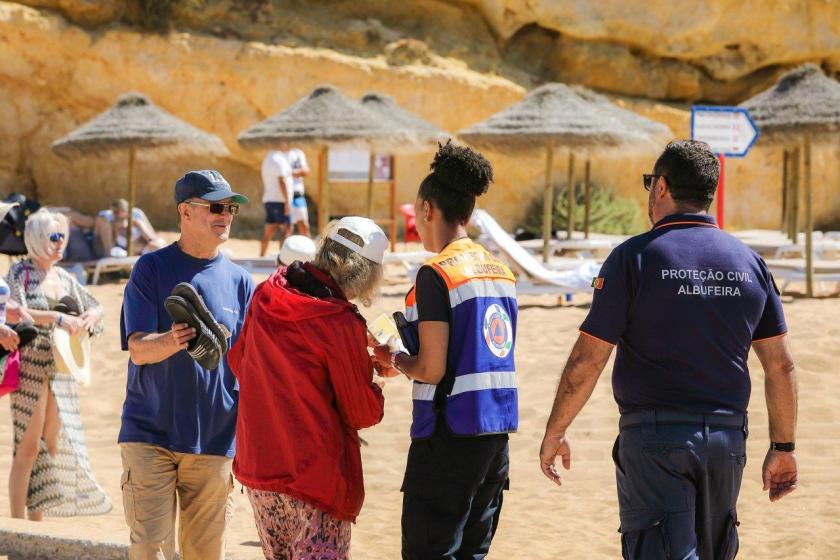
<point>586,195</point>
<point>793,232</point>
<point>570,197</point>
<point>132,193</point>
<point>323,189</point>
<point>785,158</point>
<point>320,188</point>
<point>809,218</point>
<point>548,201</point>
<point>371,171</point>
<point>393,203</point>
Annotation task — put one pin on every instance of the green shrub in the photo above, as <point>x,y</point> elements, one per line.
<point>608,213</point>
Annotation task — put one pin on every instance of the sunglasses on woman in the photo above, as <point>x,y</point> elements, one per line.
<point>56,236</point>
<point>218,207</point>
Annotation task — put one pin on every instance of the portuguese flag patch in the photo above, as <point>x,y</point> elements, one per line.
<point>597,283</point>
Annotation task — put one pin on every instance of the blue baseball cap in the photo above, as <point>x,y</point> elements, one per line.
<point>206,184</point>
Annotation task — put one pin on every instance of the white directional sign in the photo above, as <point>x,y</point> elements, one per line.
<point>728,130</point>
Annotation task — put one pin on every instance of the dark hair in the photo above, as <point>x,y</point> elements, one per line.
<point>458,175</point>
<point>691,172</point>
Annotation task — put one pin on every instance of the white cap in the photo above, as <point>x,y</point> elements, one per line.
<point>5,207</point>
<point>296,248</point>
<point>374,240</point>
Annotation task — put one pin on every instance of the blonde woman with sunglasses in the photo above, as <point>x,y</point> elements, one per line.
<point>50,470</point>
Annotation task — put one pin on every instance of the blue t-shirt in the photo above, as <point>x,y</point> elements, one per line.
<point>176,403</point>
<point>684,302</point>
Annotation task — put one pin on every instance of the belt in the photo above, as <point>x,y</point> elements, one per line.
<point>653,417</point>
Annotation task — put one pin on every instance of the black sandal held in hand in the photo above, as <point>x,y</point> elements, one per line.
<point>68,305</point>
<point>188,293</point>
<point>26,333</point>
<point>205,348</point>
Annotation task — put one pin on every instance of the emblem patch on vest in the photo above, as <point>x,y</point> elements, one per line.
<point>498,331</point>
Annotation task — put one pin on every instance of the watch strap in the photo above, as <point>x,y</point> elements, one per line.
<point>787,447</point>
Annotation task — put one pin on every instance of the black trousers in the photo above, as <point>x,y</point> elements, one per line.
<point>452,496</point>
<point>678,485</point>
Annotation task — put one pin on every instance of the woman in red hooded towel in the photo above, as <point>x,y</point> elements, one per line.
<point>305,388</point>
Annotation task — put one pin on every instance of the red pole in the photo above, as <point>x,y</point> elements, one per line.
<point>720,190</point>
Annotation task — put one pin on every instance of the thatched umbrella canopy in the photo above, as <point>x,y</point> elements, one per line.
<point>803,107</point>
<point>407,133</point>
<point>651,131</point>
<point>803,101</point>
<point>137,123</point>
<point>556,115</point>
<point>323,118</point>
<point>654,134</point>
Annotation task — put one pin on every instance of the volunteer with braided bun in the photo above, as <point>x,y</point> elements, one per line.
<point>463,306</point>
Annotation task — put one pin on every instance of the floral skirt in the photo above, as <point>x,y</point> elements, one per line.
<point>291,529</point>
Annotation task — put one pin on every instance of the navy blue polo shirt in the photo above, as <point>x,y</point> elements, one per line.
<point>684,302</point>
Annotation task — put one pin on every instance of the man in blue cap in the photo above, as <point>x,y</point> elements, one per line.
<point>178,420</point>
<point>684,303</point>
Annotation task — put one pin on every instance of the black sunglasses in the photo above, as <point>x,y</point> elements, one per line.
<point>648,179</point>
<point>218,207</point>
<point>56,236</point>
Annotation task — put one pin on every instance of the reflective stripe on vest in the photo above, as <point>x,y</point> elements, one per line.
<point>482,298</point>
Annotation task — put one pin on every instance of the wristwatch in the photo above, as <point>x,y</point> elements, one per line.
<point>787,447</point>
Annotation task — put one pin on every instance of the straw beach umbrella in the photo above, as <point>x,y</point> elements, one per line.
<point>322,119</point>
<point>135,123</point>
<point>802,108</point>
<point>406,133</point>
<point>552,116</point>
<point>656,132</point>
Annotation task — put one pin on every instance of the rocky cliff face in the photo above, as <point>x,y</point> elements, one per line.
<point>714,50</point>
<point>224,64</point>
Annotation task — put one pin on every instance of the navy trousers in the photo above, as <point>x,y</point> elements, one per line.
<point>452,496</point>
<point>678,485</point>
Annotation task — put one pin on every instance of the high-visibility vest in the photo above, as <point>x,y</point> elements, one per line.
<point>479,362</point>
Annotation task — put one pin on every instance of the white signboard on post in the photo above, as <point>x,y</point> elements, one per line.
<point>351,165</point>
<point>729,131</point>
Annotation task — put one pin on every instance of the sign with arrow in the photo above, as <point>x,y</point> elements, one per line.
<point>729,131</point>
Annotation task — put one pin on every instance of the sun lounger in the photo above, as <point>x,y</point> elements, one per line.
<point>257,265</point>
<point>786,271</point>
<point>825,249</point>
<point>534,276</point>
<point>95,269</point>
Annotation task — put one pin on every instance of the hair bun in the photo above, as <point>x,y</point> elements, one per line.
<point>462,170</point>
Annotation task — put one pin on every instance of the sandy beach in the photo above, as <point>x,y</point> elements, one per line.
<point>539,520</point>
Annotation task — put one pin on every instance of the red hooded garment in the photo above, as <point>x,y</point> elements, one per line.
<point>305,388</point>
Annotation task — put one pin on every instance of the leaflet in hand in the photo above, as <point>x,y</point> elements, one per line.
<point>384,330</point>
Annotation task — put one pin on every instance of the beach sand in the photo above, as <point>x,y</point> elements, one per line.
<point>539,520</point>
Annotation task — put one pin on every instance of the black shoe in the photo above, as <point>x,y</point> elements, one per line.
<point>26,332</point>
<point>68,305</point>
<point>186,291</point>
<point>205,348</point>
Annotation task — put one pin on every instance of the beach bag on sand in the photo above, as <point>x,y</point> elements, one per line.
<point>10,368</point>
